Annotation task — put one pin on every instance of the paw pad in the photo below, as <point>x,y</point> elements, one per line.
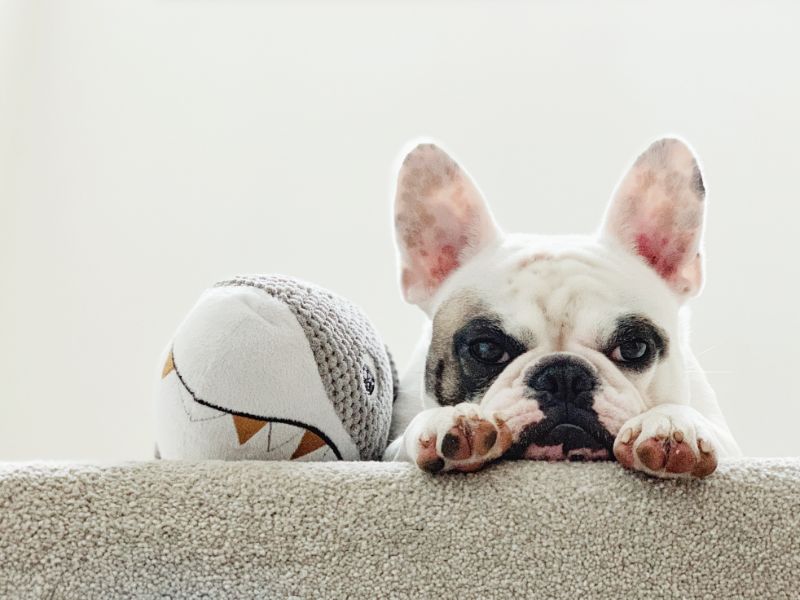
<point>665,455</point>
<point>465,444</point>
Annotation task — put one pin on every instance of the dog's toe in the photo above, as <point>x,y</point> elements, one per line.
<point>680,458</point>
<point>428,458</point>
<point>707,462</point>
<point>469,438</point>
<point>652,453</point>
<point>456,443</point>
<point>484,437</point>
<point>623,448</point>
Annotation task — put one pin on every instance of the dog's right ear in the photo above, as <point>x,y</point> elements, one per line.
<point>441,221</point>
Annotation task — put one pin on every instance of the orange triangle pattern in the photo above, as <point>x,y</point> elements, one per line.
<point>247,427</point>
<point>169,366</point>
<point>310,442</point>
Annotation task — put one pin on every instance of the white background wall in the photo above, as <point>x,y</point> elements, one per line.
<point>149,148</point>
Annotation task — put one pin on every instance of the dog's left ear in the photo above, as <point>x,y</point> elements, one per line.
<point>657,213</point>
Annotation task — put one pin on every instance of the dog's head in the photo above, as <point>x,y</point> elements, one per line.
<point>565,337</point>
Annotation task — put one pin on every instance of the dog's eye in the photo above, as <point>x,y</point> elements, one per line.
<point>631,351</point>
<point>489,352</point>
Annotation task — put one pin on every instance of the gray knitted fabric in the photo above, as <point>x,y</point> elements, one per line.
<point>341,338</point>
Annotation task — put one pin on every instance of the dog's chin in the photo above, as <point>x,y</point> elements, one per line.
<point>550,440</point>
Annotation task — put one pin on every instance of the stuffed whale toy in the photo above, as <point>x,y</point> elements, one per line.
<point>273,368</point>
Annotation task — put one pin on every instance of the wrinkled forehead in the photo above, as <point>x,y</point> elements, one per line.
<point>558,289</point>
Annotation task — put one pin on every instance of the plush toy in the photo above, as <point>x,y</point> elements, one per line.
<point>272,368</point>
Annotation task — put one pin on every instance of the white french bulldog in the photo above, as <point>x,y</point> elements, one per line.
<point>555,348</point>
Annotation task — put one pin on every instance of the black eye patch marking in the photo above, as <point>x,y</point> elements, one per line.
<point>483,350</point>
<point>636,343</point>
<point>468,350</point>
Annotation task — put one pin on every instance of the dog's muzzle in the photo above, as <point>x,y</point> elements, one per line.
<point>563,385</point>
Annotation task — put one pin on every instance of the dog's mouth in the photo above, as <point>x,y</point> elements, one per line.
<point>579,438</point>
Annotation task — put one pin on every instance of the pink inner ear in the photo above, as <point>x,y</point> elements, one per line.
<point>666,255</point>
<point>445,261</point>
<point>658,210</point>
<point>663,227</point>
<point>440,219</point>
<point>431,268</point>
<point>434,235</point>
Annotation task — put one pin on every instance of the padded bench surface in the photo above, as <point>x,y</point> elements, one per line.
<point>378,530</point>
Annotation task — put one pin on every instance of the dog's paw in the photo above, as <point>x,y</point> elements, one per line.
<point>667,441</point>
<point>456,438</point>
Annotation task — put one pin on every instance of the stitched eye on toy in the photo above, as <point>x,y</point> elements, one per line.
<point>368,375</point>
<point>489,352</point>
<point>631,351</point>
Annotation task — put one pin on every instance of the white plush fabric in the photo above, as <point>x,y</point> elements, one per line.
<point>225,351</point>
<point>242,346</point>
<point>380,530</point>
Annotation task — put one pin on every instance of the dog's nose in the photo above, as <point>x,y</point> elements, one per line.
<point>563,379</point>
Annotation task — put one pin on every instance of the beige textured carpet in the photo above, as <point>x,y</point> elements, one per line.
<point>374,530</point>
